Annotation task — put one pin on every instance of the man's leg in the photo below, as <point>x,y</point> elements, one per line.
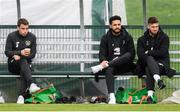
<point>119,61</point>
<point>27,75</point>
<point>150,85</point>
<point>110,84</point>
<point>152,65</point>
<point>149,79</point>
<point>22,90</point>
<point>23,86</point>
<point>110,79</point>
<point>155,71</point>
<point>25,71</point>
<point>14,67</point>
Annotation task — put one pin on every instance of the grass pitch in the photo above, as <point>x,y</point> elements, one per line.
<point>89,107</point>
<point>166,10</point>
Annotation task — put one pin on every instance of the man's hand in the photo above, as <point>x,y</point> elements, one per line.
<point>104,64</point>
<point>16,57</point>
<point>25,52</point>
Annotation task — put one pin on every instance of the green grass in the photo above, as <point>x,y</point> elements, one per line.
<point>89,107</point>
<point>166,10</point>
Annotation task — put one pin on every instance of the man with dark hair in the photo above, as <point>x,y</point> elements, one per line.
<point>153,56</point>
<point>116,54</point>
<point>21,49</point>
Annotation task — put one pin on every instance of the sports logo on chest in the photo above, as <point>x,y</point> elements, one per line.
<point>17,44</point>
<point>28,43</point>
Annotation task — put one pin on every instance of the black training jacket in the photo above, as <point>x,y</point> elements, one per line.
<point>159,49</point>
<point>106,48</point>
<point>15,43</point>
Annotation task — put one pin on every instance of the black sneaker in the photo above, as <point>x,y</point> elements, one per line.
<point>161,84</point>
<point>149,100</point>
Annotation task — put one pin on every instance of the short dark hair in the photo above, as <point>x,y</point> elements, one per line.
<point>152,20</point>
<point>22,21</point>
<point>114,18</point>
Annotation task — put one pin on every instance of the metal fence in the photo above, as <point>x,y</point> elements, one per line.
<point>62,48</point>
<point>63,45</point>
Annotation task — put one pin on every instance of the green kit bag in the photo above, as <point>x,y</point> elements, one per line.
<point>132,96</point>
<point>45,95</point>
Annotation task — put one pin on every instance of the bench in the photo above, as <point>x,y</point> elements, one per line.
<point>62,53</point>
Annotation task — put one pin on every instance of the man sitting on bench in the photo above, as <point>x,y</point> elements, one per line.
<point>116,54</point>
<point>153,56</point>
<point>21,49</point>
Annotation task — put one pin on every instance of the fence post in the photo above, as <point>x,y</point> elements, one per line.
<point>82,45</point>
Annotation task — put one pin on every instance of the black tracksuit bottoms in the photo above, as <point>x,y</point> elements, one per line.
<point>152,67</point>
<point>21,67</point>
<point>116,66</point>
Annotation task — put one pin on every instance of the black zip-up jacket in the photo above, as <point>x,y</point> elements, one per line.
<point>159,49</point>
<point>15,43</point>
<point>106,47</point>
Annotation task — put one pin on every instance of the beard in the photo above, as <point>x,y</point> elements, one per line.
<point>153,33</point>
<point>116,32</point>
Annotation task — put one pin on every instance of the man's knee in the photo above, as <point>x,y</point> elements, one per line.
<point>109,70</point>
<point>149,58</point>
<point>25,67</point>
<point>23,62</point>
